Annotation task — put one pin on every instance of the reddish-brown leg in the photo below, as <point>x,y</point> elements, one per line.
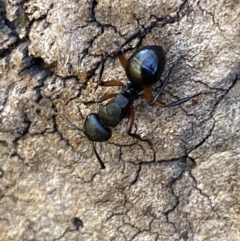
<point>122,60</point>
<point>101,99</point>
<point>131,118</point>
<point>106,97</point>
<point>111,83</point>
<point>106,83</point>
<point>148,95</point>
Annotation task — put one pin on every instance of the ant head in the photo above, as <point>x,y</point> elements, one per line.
<point>91,125</point>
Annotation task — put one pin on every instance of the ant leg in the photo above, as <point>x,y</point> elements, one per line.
<point>101,99</point>
<point>106,83</point>
<point>148,95</point>
<point>111,83</point>
<point>131,119</point>
<point>178,102</point>
<point>122,60</point>
<point>129,39</point>
<point>162,87</point>
<point>130,124</point>
<point>106,97</point>
<point>181,101</point>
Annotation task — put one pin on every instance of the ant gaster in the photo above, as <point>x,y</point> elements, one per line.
<point>143,69</point>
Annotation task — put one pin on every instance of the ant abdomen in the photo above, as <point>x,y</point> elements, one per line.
<point>146,65</point>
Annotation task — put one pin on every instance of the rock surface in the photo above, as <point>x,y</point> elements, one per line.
<point>51,185</point>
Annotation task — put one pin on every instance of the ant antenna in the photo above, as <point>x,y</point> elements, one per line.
<point>97,155</point>
<point>53,112</point>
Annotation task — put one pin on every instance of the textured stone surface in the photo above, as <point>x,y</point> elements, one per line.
<point>51,185</point>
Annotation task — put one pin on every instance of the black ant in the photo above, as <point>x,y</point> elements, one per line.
<point>143,69</point>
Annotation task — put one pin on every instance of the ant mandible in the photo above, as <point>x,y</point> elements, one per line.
<point>143,69</point>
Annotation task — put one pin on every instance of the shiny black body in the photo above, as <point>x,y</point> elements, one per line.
<point>143,69</point>
<point>145,66</point>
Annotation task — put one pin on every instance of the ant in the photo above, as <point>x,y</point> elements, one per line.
<point>143,69</point>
